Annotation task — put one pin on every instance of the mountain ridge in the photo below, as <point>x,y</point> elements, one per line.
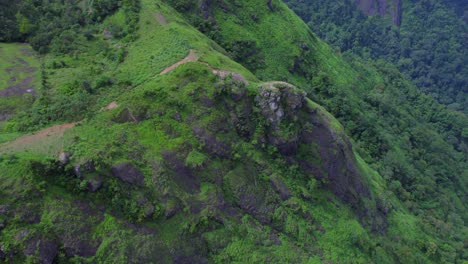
<point>210,163</point>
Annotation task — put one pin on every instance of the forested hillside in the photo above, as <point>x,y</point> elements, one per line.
<point>429,46</point>
<point>202,131</point>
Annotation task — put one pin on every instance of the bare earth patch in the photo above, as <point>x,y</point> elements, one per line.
<point>235,76</point>
<point>273,83</point>
<point>25,86</point>
<point>18,70</point>
<point>47,141</point>
<point>110,106</point>
<point>192,57</point>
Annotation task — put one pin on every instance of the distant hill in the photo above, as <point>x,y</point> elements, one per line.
<point>425,40</point>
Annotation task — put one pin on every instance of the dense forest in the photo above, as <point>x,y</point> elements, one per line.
<point>202,131</point>
<point>429,46</point>
<point>60,26</point>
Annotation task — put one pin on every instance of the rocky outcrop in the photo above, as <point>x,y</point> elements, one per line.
<point>337,164</point>
<point>249,195</point>
<point>64,158</point>
<point>81,170</point>
<point>280,187</point>
<point>182,175</point>
<point>211,143</point>
<point>305,134</point>
<point>125,116</point>
<point>279,100</point>
<point>77,238</point>
<point>46,249</point>
<point>128,173</point>
<point>83,248</point>
<point>94,184</point>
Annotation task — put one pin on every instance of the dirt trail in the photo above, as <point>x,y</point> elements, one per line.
<point>192,57</point>
<point>28,142</point>
<point>110,106</point>
<point>47,141</point>
<point>235,76</point>
<point>277,82</point>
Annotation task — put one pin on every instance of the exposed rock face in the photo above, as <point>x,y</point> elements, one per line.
<point>338,164</point>
<point>212,145</point>
<point>269,101</point>
<point>28,215</point>
<point>77,171</point>
<point>126,172</point>
<point>64,158</point>
<point>77,238</point>
<point>107,34</point>
<point>281,104</point>
<point>82,169</point>
<point>125,116</point>
<point>183,176</point>
<point>280,101</point>
<point>249,195</point>
<point>95,184</point>
<point>280,188</point>
<point>83,248</point>
<point>46,250</point>
<point>277,99</point>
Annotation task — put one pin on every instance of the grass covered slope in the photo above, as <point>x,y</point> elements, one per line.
<point>19,68</point>
<point>201,162</point>
<point>185,147</point>
<point>174,160</point>
<point>19,82</point>
<point>233,188</point>
<point>416,144</point>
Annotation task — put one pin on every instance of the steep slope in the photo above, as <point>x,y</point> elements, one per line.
<point>401,132</point>
<point>196,159</point>
<point>202,153</point>
<point>19,74</point>
<point>428,47</point>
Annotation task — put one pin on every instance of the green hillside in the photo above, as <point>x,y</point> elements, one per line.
<point>19,75</point>
<point>425,40</point>
<point>220,132</point>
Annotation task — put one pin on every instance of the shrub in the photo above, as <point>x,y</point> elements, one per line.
<point>195,159</point>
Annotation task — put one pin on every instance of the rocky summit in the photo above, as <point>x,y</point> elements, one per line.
<point>223,131</point>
